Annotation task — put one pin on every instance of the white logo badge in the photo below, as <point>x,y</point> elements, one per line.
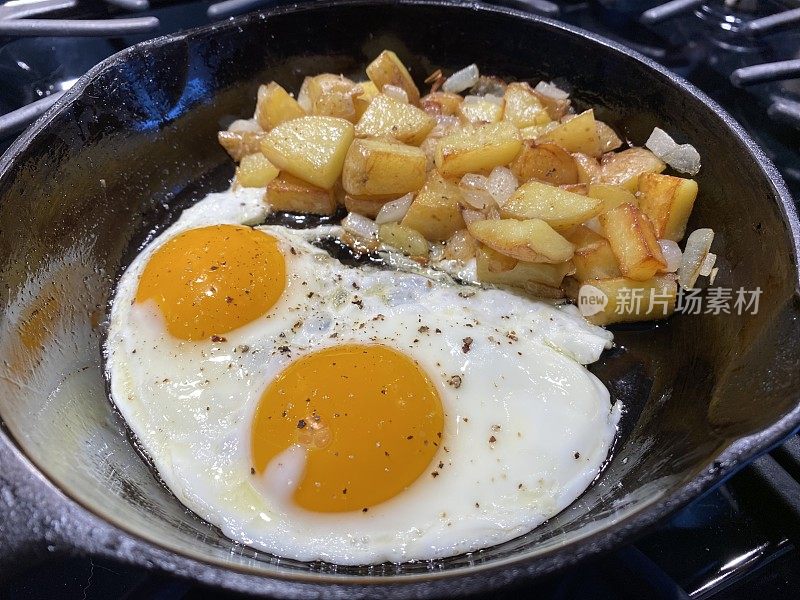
<point>591,300</point>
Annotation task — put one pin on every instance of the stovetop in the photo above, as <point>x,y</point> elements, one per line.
<point>738,541</point>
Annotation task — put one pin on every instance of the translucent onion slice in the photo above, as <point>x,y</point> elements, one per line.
<point>501,184</point>
<point>672,254</point>
<point>470,216</point>
<point>394,211</point>
<point>245,126</point>
<point>708,264</point>
<point>461,80</point>
<point>681,157</point>
<point>474,191</point>
<point>360,226</point>
<point>551,91</point>
<point>694,254</point>
<point>396,92</point>
<point>444,125</point>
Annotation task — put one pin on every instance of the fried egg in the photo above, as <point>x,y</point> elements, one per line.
<point>355,415</point>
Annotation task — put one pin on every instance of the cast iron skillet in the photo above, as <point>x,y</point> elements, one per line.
<point>134,141</point>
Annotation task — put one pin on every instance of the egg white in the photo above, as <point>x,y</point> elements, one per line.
<point>522,384</point>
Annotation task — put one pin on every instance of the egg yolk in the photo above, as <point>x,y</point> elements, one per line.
<point>211,280</point>
<point>369,417</point>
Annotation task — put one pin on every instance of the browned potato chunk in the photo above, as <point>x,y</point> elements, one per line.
<point>611,195</point>
<point>388,69</point>
<point>623,168</point>
<point>441,103</point>
<point>481,109</point>
<point>539,279</point>
<point>332,96</point>
<point>578,134</point>
<point>558,207</point>
<point>383,167</point>
<point>630,300</point>
<point>405,239</point>
<point>588,167</point>
<point>633,241</point>
<point>593,258</point>
<point>312,148</point>
<point>608,138</point>
<point>523,106</point>
<point>363,94</point>
<point>240,143</point>
<point>668,201</point>
<point>545,162</point>
<point>475,149</point>
<point>387,116</point>
<point>255,170</point>
<point>436,210</point>
<point>275,105</point>
<point>364,205</point>
<point>531,240</point>
<point>288,193</point>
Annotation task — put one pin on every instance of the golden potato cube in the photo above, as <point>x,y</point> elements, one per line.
<point>387,69</point>
<point>633,241</point>
<point>593,258</point>
<point>240,143</point>
<point>387,116</point>
<point>474,149</point>
<point>544,162</point>
<point>588,167</point>
<point>531,240</point>
<point>332,96</point>
<point>375,167</point>
<point>558,207</point>
<point>364,93</point>
<point>578,134</point>
<point>436,210</point>
<point>523,106</point>
<point>609,140</point>
<point>405,239</point>
<point>630,300</point>
<point>275,105</point>
<point>611,195</point>
<point>441,103</point>
<point>624,168</point>
<point>287,193</point>
<point>364,205</point>
<point>255,170</point>
<point>668,201</point>
<point>539,279</point>
<point>312,148</point>
<point>479,109</point>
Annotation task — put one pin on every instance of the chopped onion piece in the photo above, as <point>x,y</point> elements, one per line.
<point>697,246</point>
<point>498,100</point>
<point>461,80</point>
<point>708,264</point>
<point>303,98</point>
<point>594,225</point>
<point>681,157</point>
<point>501,184</point>
<point>474,191</point>
<point>395,92</point>
<point>360,226</point>
<point>713,275</point>
<point>394,211</point>
<point>672,254</point>
<point>245,125</point>
<point>460,246</point>
<point>551,91</point>
<point>470,216</point>
<point>444,125</point>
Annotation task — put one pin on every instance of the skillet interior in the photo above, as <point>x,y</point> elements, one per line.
<point>137,143</point>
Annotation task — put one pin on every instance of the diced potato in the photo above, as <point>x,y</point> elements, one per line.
<point>383,167</point>
<point>332,96</point>
<point>531,240</point>
<point>633,241</point>
<point>441,103</point>
<point>481,109</point>
<point>240,143</point>
<point>534,132</point>
<point>539,279</point>
<point>668,201</point>
<point>611,195</point>
<point>523,106</point>
<point>545,162</point>
<point>475,149</point>
<point>255,170</point>
<point>364,205</point>
<point>312,148</point>
<point>608,137</point>
<point>436,210</point>
<point>387,116</point>
<point>624,168</point>
<point>558,207</point>
<point>588,167</point>
<point>388,69</point>
<point>290,194</point>
<point>593,258</point>
<point>630,300</point>
<point>364,93</point>
<point>578,134</point>
<point>275,105</point>
<point>405,239</point>
<point>460,246</point>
